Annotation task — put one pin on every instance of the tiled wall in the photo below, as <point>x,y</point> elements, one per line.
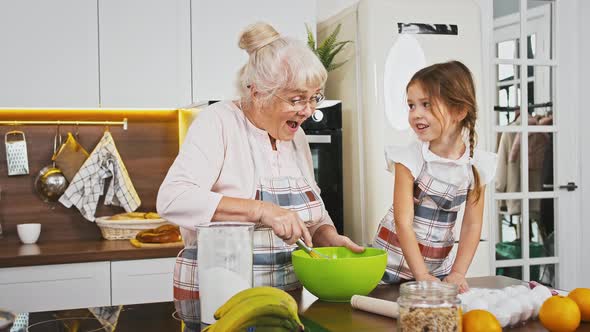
<point>147,148</point>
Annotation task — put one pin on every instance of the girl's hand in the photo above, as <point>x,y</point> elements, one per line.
<point>327,236</point>
<point>285,223</point>
<point>457,279</point>
<point>426,277</point>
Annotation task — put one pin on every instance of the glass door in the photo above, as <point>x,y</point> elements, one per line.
<point>526,128</point>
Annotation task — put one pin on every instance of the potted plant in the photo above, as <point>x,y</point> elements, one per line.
<point>328,48</point>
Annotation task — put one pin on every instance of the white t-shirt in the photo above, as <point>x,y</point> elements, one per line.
<point>456,172</point>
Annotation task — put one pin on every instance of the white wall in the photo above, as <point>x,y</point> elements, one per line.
<point>328,8</point>
<point>584,119</point>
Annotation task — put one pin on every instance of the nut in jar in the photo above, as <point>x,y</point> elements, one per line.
<point>429,306</point>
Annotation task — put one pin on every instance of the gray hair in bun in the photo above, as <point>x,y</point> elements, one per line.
<point>276,63</point>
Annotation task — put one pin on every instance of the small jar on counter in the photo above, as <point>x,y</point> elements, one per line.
<point>429,306</point>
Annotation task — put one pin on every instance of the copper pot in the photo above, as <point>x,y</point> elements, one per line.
<point>50,182</point>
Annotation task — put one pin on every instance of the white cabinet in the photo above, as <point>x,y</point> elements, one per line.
<point>49,54</point>
<point>55,287</point>
<point>82,285</point>
<point>131,53</point>
<point>142,281</point>
<point>145,53</point>
<point>216,26</point>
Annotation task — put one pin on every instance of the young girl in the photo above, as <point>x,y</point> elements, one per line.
<point>434,177</point>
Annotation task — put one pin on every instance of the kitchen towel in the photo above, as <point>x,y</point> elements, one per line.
<point>70,157</point>
<point>107,316</point>
<point>88,184</point>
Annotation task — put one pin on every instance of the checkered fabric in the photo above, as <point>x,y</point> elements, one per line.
<point>436,204</point>
<point>272,256</point>
<point>186,280</point>
<point>107,316</point>
<point>88,184</point>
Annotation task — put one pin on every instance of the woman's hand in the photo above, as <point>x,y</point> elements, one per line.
<point>327,236</point>
<point>457,279</point>
<point>285,223</point>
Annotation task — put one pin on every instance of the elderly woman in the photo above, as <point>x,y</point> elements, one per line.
<point>249,160</point>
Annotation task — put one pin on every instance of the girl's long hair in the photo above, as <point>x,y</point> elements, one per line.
<point>451,84</point>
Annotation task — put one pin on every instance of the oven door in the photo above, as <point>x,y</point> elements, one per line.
<point>326,154</point>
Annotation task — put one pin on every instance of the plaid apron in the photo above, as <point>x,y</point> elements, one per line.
<point>436,204</point>
<point>272,264</point>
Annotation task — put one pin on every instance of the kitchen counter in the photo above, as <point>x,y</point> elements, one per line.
<point>331,316</point>
<point>13,253</point>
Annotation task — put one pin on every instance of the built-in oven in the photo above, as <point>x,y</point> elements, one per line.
<point>324,133</point>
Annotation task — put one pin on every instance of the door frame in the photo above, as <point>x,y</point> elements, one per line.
<point>583,10</point>
<point>568,208</point>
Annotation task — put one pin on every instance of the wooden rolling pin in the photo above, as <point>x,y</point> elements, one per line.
<point>376,306</point>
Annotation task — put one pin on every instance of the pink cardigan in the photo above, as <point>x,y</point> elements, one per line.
<point>215,160</point>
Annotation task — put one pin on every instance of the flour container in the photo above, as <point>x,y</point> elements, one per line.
<point>224,255</point>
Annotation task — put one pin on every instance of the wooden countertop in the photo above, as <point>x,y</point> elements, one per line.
<point>336,317</point>
<point>342,317</point>
<point>13,253</point>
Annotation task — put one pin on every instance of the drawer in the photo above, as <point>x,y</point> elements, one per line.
<point>55,287</point>
<point>142,281</point>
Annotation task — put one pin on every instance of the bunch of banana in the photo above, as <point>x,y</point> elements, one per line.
<point>258,309</point>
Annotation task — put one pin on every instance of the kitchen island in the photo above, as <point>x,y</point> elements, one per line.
<point>166,316</point>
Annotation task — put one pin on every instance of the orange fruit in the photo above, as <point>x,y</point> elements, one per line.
<point>582,298</point>
<point>560,314</point>
<point>480,321</point>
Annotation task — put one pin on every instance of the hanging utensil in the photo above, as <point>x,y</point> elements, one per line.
<point>51,183</point>
<point>16,153</point>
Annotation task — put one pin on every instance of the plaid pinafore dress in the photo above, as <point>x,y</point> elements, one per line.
<point>272,264</point>
<point>436,205</point>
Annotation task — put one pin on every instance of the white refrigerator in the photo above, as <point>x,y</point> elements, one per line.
<point>392,39</point>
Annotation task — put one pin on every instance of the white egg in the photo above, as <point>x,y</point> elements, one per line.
<point>474,291</point>
<point>491,299</point>
<point>464,297</point>
<point>514,308</point>
<point>542,292</point>
<point>521,289</point>
<point>465,301</point>
<point>498,294</point>
<point>527,307</point>
<point>478,303</point>
<point>537,303</point>
<point>502,315</point>
<point>511,291</point>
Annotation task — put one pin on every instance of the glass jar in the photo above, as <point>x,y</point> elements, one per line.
<point>429,306</point>
<point>224,253</point>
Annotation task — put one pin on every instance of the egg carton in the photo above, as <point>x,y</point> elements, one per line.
<point>513,305</point>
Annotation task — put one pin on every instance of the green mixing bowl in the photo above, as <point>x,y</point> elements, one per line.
<point>343,275</point>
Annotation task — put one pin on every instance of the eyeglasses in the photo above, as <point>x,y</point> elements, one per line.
<point>299,105</point>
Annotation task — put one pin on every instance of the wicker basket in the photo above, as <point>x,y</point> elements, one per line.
<point>126,229</point>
